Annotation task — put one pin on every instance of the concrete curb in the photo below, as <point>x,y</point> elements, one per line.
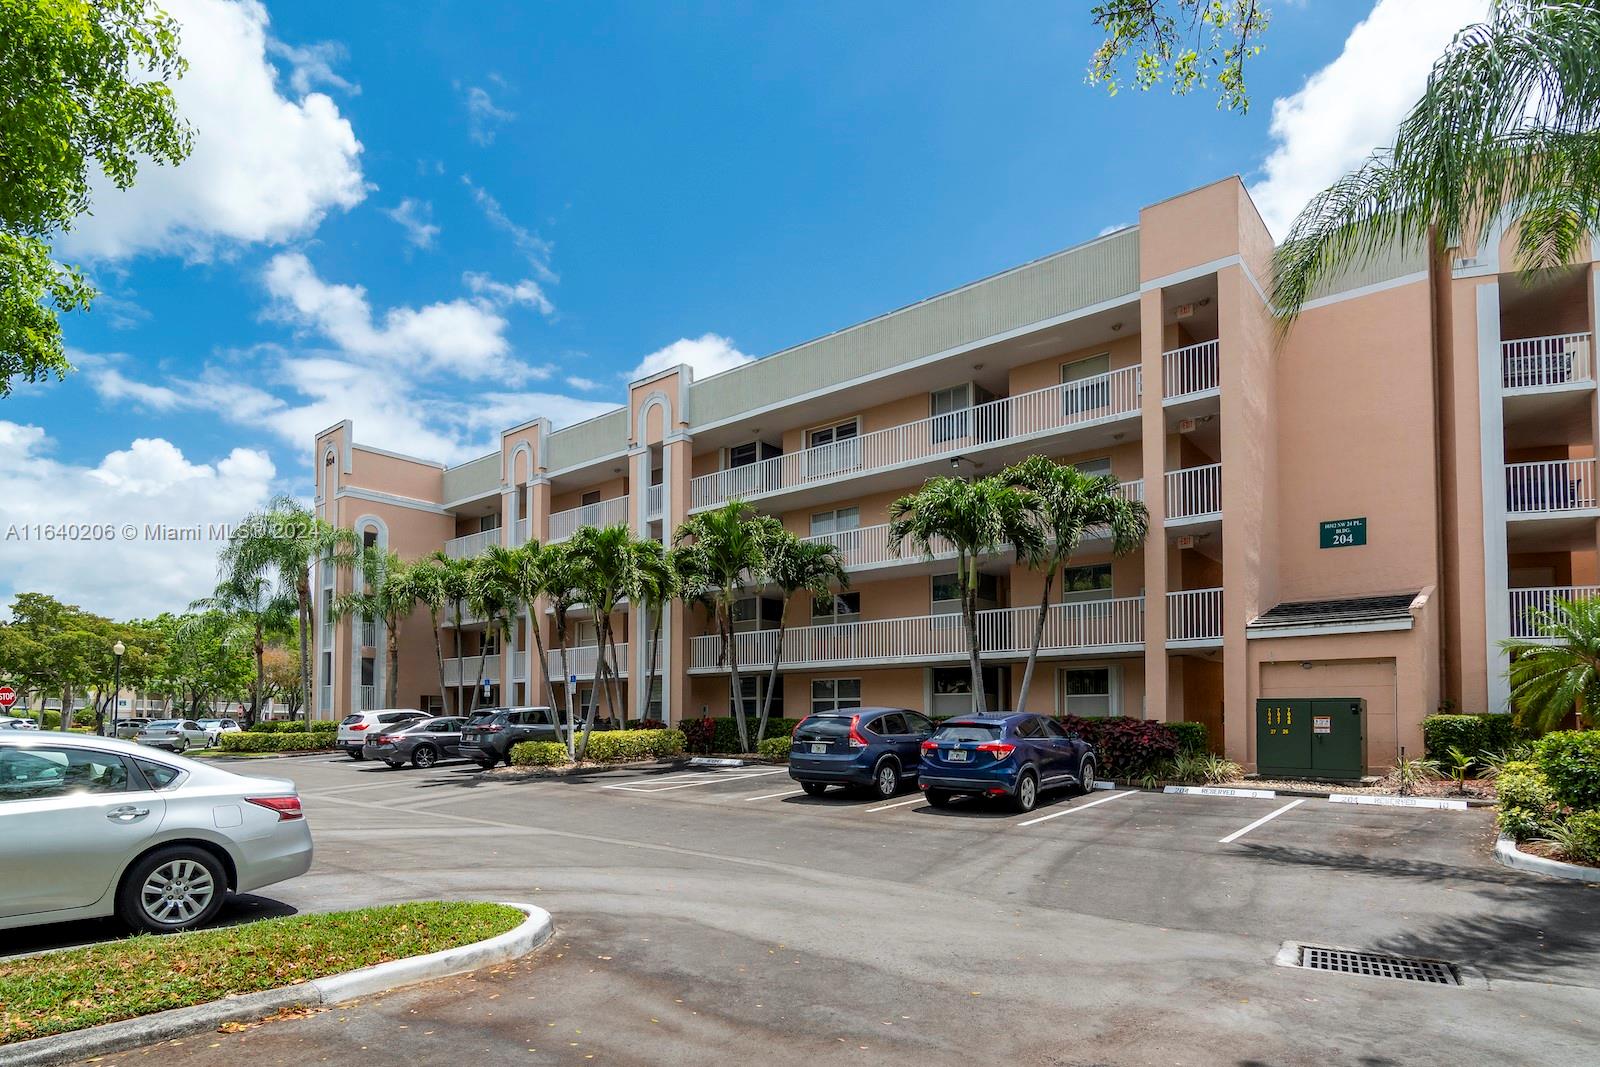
<point>1507,854</point>
<point>334,989</point>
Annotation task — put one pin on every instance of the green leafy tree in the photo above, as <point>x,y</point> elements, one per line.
<point>384,594</point>
<point>84,86</point>
<point>455,583</point>
<point>655,587</point>
<point>206,657</point>
<point>492,595</point>
<point>978,518</point>
<point>1191,43</point>
<point>1552,678</point>
<point>793,566</point>
<point>262,609</point>
<point>559,581</point>
<point>428,582</point>
<point>1510,120</point>
<point>1067,504</point>
<point>603,560</point>
<point>529,568</point>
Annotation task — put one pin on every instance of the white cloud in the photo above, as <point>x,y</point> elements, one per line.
<point>525,293</point>
<point>416,218</point>
<point>708,354</point>
<point>150,482</point>
<point>535,248</point>
<point>1353,105</point>
<point>264,167</point>
<point>586,384</point>
<point>312,65</point>
<point>483,115</point>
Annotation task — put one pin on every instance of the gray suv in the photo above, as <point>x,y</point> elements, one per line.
<point>487,739</point>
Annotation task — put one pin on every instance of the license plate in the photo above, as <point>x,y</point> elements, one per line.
<point>957,755</point>
<point>819,748</point>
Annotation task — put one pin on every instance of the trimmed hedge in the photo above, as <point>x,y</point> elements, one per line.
<point>708,735</point>
<point>775,747</point>
<point>1472,734</point>
<point>539,753</point>
<point>1191,738</point>
<point>1525,799</point>
<point>1127,748</point>
<point>619,746</point>
<point>1570,762</point>
<point>250,741</point>
<point>293,726</point>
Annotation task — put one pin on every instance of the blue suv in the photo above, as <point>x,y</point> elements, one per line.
<point>1013,756</point>
<point>874,747</point>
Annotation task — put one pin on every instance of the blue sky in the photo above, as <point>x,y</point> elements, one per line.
<point>443,224</point>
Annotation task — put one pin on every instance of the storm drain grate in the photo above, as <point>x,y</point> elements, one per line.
<point>1377,965</point>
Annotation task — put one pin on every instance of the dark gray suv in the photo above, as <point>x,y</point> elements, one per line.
<point>488,737</point>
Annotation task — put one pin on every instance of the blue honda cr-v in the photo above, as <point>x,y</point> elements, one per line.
<point>1014,756</point>
<point>874,747</point>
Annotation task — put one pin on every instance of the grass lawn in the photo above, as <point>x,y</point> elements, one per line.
<point>63,991</point>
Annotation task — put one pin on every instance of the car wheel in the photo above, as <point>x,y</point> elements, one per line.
<point>814,789</point>
<point>424,756</point>
<point>486,764</point>
<point>355,753</point>
<point>1027,794</point>
<point>938,798</point>
<point>181,747</point>
<point>172,889</point>
<point>886,778</point>
<point>1086,771</point>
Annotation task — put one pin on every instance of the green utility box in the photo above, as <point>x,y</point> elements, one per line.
<point>1323,737</point>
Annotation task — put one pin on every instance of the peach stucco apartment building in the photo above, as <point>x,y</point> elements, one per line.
<point>1362,509</point>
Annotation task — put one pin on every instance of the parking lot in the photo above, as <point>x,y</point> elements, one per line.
<point>720,914</point>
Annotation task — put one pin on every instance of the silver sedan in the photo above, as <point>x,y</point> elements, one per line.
<point>92,826</point>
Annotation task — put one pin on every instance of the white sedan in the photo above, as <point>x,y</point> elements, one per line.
<point>95,826</point>
<point>215,728</point>
<point>176,734</point>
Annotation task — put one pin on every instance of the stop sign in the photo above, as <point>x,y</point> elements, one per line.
<point>8,696</point>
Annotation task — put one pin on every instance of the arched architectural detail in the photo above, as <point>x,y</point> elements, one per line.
<point>380,650</point>
<point>655,399</point>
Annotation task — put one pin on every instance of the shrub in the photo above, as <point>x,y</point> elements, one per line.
<point>539,753</point>
<point>1500,732</point>
<point>1570,762</point>
<point>617,746</point>
<point>252,741</point>
<point>1526,801</point>
<point>1126,748</point>
<point>644,724</point>
<point>774,747</point>
<point>1579,838</point>
<point>292,726</point>
<point>1191,737</point>
<point>698,733</point>
<point>707,735</point>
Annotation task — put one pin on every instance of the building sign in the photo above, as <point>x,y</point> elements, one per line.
<point>1344,533</point>
<point>1322,724</point>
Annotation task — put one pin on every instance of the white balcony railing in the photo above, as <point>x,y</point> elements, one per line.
<point>1550,486</point>
<point>653,501</point>
<point>585,659</point>
<point>519,534</point>
<point>1541,362</point>
<point>1012,418</point>
<point>563,524</point>
<point>519,667</point>
<point>1194,492</point>
<point>369,633</point>
<point>367,695</point>
<point>1528,604</point>
<point>471,545</point>
<point>464,671</point>
<point>868,546</point>
<point>1189,370</point>
<point>1194,615</point>
<point>1089,625</point>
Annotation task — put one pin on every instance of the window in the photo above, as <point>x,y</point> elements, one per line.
<point>1095,467</point>
<point>835,521</point>
<point>890,725</point>
<point>1085,389</point>
<point>841,607</point>
<point>950,690</point>
<point>753,689</point>
<point>756,613</point>
<point>834,694</point>
<point>369,667</point>
<point>949,410</point>
<point>1090,582</point>
<point>41,772</point>
<point>946,592</point>
<point>827,435</point>
<point>590,498</point>
<point>918,724</point>
<point>159,775</point>
<point>1053,729</point>
<point>832,449</point>
<point>1087,691</point>
<point>1029,728</point>
<point>742,455</point>
<point>491,643</point>
<point>654,710</point>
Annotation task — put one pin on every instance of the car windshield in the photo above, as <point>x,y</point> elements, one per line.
<point>967,731</point>
<point>823,727</point>
<point>485,716</point>
<point>349,720</point>
<point>210,722</point>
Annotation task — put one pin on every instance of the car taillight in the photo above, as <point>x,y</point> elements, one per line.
<point>494,728</point>
<point>359,726</point>
<point>1000,749</point>
<point>856,740</point>
<point>930,746</point>
<point>287,807</point>
<point>385,739</point>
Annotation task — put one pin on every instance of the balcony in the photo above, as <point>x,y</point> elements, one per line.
<point>519,532</point>
<point>1194,618</point>
<point>1194,494</point>
<point>1009,421</point>
<point>1553,362</point>
<point>471,545</point>
<point>585,659</point>
<point>563,524</point>
<point>654,501</point>
<point>464,671</point>
<point>519,666</point>
<point>1528,604</point>
<point>366,697</point>
<point>1552,487</point>
<point>867,547</point>
<point>1086,627</point>
<point>1190,372</point>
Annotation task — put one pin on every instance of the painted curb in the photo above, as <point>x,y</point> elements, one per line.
<point>1507,854</point>
<point>321,992</point>
<point>1220,791</point>
<point>1384,801</point>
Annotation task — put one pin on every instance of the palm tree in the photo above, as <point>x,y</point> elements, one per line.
<point>1551,678</point>
<point>286,540</point>
<point>258,606</point>
<point>386,594</point>
<point>1066,504</point>
<point>978,518</point>
<point>655,585</point>
<point>428,582</point>
<point>794,565</point>
<point>1508,120</point>
<point>729,544</point>
<point>560,586</point>
<point>492,595</point>
<point>455,583</point>
<point>604,560</point>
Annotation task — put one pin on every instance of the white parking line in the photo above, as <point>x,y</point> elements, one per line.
<point>1264,819</point>
<point>712,780</point>
<point>769,796</point>
<point>897,804</point>
<point>1079,807</point>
